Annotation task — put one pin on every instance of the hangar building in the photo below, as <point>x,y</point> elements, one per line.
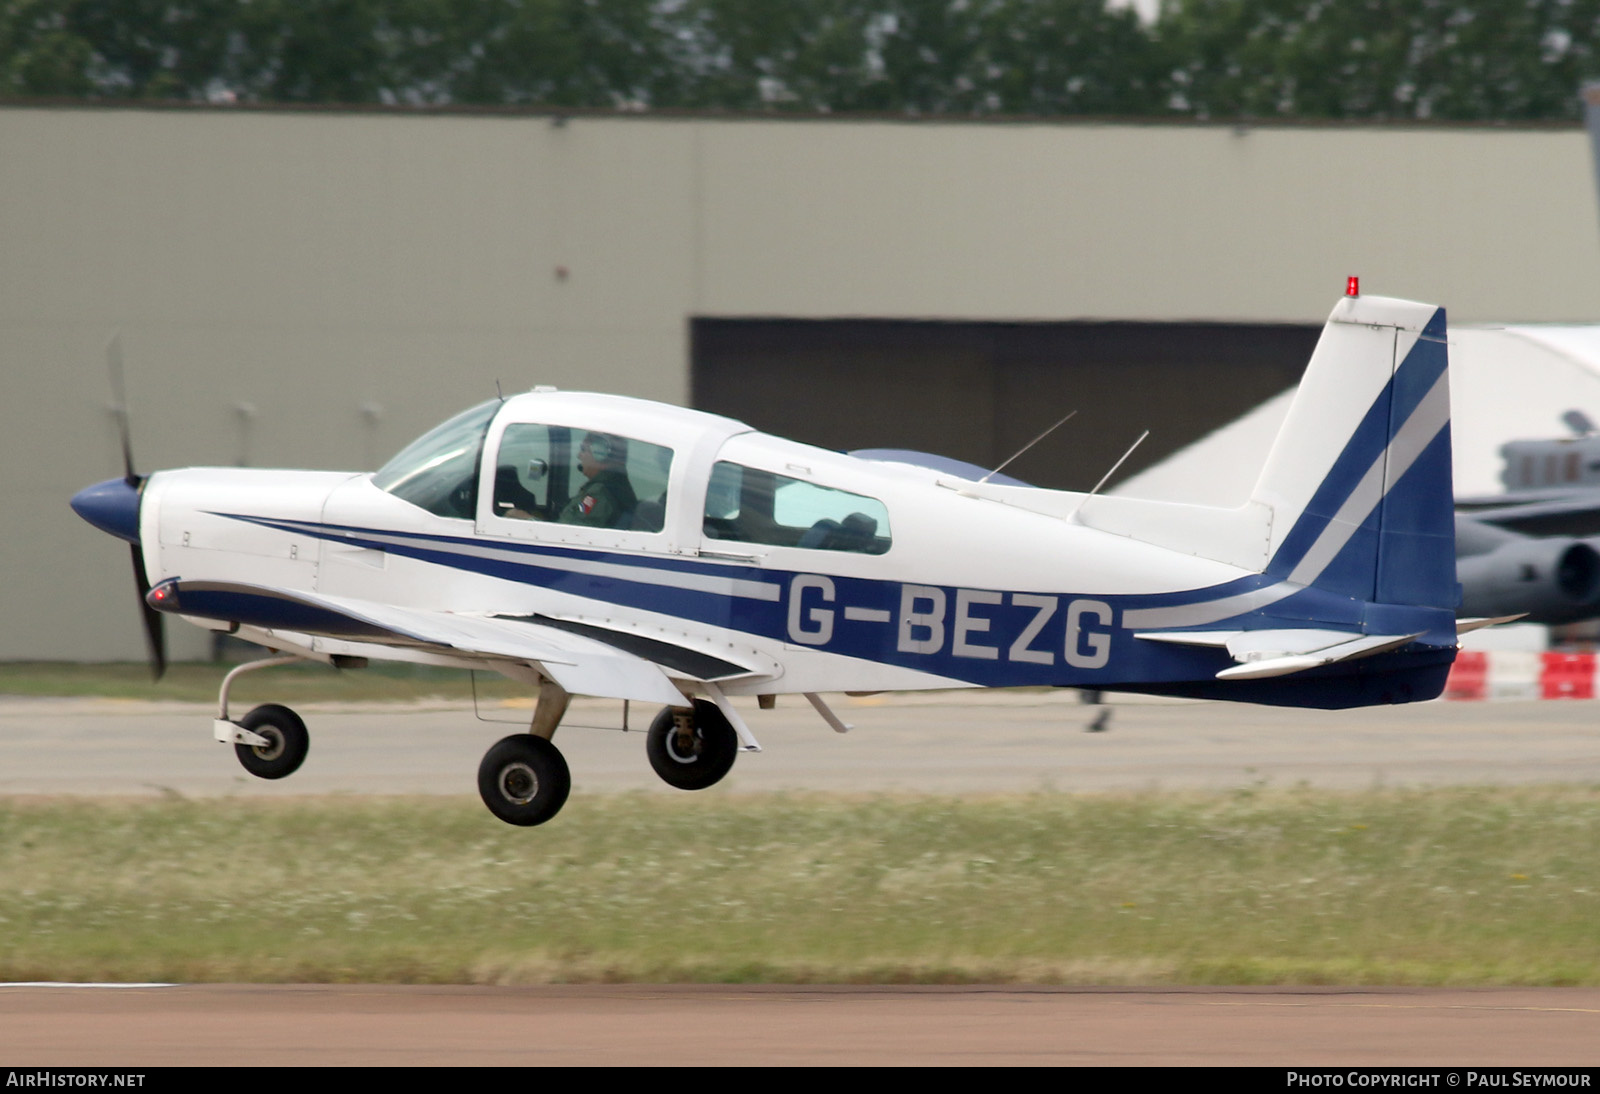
<point>315,287</point>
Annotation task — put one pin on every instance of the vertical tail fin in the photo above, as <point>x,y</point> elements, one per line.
<point>1358,481</point>
<point>1355,497</point>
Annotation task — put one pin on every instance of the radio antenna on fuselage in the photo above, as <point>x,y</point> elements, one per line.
<point>1104,478</point>
<point>1027,446</point>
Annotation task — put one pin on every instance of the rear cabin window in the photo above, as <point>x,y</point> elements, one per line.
<point>568,475</point>
<point>747,505</point>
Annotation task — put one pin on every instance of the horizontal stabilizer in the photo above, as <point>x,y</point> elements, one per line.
<point>1464,626</point>
<point>1265,653</point>
<point>1367,646</point>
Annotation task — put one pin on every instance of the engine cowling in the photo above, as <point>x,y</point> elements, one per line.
<point>1554,580</point>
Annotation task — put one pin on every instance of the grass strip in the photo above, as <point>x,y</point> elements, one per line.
<point>1451,886</point>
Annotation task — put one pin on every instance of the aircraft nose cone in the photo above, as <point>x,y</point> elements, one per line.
<point>111,506</point>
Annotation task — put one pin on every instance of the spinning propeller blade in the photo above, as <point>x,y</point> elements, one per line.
<point>119,407</point>
<point>155,627</point>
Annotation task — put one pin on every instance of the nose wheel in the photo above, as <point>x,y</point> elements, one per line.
<point>692,749</point>
<point>285,742</point>
<point>271,741</point>
<point>524,780</point>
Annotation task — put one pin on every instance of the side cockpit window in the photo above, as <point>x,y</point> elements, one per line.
<point>747,505</point>
<point>439,470</point>
<point>583,477</point>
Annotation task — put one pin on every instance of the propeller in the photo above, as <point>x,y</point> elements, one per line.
<point>155,627</point>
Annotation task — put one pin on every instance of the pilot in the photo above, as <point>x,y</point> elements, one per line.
<point>606,498</point>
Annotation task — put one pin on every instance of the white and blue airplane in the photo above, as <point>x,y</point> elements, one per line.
<point>596,545</point>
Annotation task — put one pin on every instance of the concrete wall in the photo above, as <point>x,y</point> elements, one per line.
<point>1134,222</point>
<point>315,288</point>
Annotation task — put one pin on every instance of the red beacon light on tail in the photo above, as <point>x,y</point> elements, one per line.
<point>1352,286</point>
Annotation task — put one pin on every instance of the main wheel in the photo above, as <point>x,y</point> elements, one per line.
<point>696,756</point>
<point>524,780</point>
<point>286,747</point>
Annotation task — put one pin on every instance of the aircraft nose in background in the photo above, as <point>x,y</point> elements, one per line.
<point>111,506</point>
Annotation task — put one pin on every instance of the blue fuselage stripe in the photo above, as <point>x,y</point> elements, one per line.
<point>988,637</point>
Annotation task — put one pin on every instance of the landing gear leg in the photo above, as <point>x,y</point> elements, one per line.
<point>523,778</point>
<point>549,710</point>
<point>1101,721</point>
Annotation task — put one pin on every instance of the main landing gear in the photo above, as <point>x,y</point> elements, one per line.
<point>692,748</point>
<point>524,779</point>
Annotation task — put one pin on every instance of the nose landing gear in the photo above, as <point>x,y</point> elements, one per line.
<point>271,741</point>
<point>286,742</point>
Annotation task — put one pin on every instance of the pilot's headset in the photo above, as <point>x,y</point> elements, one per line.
<point>608,449</point>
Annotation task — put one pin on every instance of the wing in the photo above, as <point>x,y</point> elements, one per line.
<point>1538,513</point>
<point>583,659</point>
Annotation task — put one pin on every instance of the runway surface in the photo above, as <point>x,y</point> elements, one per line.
<point>633,1025</point>
<point>961,743</point>
<point>944,742</point>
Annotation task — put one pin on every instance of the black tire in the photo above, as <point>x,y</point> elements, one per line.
<point>286,747</point>
<point>716,746</point>
<point>524,780</point>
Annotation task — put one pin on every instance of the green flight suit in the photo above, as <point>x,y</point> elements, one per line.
<point>601,502</point>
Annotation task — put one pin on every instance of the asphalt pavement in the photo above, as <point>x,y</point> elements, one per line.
<point>942,742</point>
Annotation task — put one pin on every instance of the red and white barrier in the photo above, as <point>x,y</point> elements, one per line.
<point>1521,674</point>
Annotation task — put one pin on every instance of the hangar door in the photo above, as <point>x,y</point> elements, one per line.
<point>980,391</point>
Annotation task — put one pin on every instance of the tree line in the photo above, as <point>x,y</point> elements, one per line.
<point>1457,60</point>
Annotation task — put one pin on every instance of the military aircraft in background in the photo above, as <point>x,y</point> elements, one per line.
<point>1535,549</point>
<point>604,546</point>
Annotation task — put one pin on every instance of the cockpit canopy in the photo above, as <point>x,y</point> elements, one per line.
<point>606,476</point>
